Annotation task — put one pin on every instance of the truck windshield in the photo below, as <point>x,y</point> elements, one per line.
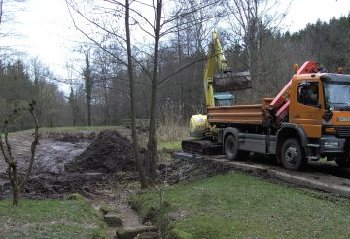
<point>337,95</point>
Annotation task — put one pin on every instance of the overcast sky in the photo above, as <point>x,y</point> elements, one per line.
<point>46,30</point>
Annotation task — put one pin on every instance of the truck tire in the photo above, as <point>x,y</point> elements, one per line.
<point>292,154</point>
<point>231,148</point>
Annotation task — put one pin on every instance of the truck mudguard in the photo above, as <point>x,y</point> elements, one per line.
<point>298,129</point>
<point>230,130</point>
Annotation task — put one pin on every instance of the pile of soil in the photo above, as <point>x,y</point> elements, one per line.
<point>66,167</point>
<point>109,152</point>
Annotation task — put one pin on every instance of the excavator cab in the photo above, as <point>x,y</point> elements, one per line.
<point>224,99</point>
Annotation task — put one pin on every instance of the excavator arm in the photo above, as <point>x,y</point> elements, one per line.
<point>216,59</point>
<point>218,77</point>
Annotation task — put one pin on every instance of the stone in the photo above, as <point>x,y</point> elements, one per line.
<point>113,220</point>
<point>148,235</point>
<point>131,232</point>
<point>75,196</point>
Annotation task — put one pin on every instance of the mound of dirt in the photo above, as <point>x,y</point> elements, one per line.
<point>109,152</point>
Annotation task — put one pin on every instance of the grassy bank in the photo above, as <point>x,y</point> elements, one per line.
<point>50,219</point>
<point>241,206</point>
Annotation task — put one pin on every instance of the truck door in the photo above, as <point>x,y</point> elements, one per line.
<point>308,108</point>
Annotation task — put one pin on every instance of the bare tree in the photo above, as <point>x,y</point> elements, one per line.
<point>143,179</point>
<point>8,8</point>
<point>153,30</point>
<point>1,3</point>
<point>152,139</point>
<point>18,182</point>
<point>249,20</point>
<point>87,74</point>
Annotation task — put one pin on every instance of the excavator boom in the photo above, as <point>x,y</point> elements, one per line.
<point>218,77</point>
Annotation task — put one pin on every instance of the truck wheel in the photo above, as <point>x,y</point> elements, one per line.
<point>292,155</point>
<point>231,149</point>
<point>343,162</point>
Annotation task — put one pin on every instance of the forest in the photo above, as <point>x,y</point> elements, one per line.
<point>99,94</point>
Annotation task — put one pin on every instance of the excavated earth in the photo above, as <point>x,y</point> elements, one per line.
<point>88,163</point>
<point>99,164</point>
<point>68,163</point>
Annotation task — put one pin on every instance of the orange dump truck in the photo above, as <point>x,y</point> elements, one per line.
<point>308,120</point>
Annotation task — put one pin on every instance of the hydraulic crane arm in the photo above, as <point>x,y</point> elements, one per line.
<point>279,107</point>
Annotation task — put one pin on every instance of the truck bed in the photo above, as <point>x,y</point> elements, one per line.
<point>239,114</point>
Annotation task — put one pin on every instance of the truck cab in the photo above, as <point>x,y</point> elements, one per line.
<point>320,108</point>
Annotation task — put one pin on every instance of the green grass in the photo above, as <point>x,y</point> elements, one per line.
<point>50,219</point>
<point>173,145</point>
<point>241,206</point>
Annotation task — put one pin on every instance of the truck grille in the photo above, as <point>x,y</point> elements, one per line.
<point>343,131</point>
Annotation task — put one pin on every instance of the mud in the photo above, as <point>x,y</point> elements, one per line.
<point>179,170</point>
<point>90,166</point>
<point>72,163</point>
<point>78,163</point>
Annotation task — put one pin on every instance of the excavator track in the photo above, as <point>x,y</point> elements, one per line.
<point>201,146</point>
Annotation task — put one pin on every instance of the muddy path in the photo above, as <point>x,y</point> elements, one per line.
<point>100,168</point>
<point>100,164</point>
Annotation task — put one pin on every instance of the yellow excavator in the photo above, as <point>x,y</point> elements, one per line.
<point>219,82</point>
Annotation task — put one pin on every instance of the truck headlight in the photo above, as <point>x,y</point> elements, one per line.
<point>330,144</point>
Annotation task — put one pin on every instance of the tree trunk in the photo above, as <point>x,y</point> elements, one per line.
<point>107,116</point>
<point>152,140</point>
<point>13,176</point>
<point>88,86</point>
<point>88,111</point>
<point>143,179</point>
<point>6,150</point>
<point>16,195</point>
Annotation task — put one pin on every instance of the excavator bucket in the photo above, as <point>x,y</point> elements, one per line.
<point>229,81</point>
